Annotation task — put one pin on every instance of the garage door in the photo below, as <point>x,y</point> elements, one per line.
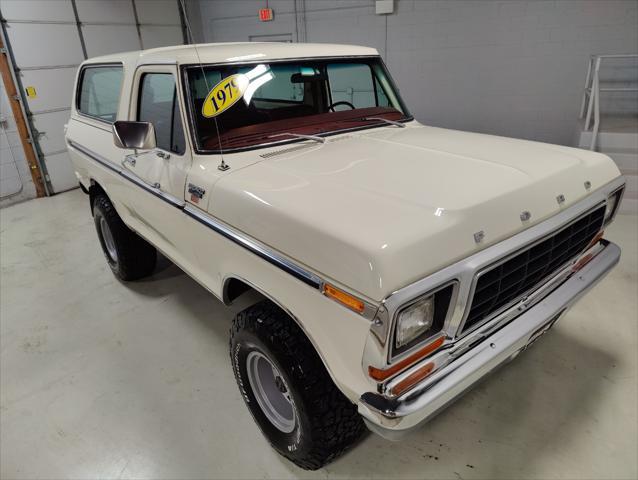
<point>48,40</point>
<point>15,179</point>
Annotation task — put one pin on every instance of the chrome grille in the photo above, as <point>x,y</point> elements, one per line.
<point>507,281</point>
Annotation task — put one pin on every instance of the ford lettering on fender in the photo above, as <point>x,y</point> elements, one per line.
<point>397,263</point>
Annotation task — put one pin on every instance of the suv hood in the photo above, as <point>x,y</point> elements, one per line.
<point>377,210</point>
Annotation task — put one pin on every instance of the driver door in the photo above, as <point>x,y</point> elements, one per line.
<point>160,173</point>
<point>155,100</point>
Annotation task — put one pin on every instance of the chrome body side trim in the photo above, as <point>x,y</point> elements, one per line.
<point>127,174</point>
<point>94,156</point>
<point>393,417</point>
<point>264,252</point>
<point>256,247</point>
<point>167,197</point>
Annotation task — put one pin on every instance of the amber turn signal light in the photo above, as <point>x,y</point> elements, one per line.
<point>411,379</point>
<point>582,262</point>
<point>383,374</point>
<point>344,298</point>
<point>596,239</point>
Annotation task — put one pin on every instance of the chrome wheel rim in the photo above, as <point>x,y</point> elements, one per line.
<point>107,236</point>
<point>271,391</point>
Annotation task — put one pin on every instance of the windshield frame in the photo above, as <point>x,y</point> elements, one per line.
<point>190,113</point>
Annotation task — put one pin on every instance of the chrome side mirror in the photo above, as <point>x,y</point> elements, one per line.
<point>137,135</point>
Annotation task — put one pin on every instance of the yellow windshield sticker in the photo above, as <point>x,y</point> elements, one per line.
<point>224,95</point>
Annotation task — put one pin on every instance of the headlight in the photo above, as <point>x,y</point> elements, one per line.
<point>420,320</point>
<point>612,205</point>
<point>414,321</point>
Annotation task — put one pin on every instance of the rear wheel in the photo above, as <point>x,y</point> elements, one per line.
<point>129,255</point>
<point>287,389</point>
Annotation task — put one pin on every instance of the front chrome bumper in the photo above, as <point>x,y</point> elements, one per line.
<point>394,417</point>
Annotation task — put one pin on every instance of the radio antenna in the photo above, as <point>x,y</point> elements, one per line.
<point>223,166</point>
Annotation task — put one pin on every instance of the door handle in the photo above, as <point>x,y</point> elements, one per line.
<point>132,160</point>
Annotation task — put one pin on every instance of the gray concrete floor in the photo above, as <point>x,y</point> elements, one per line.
<point>105,380</point>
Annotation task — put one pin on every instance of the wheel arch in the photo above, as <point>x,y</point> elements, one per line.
<point>234,286</point>
<point>96,189</point>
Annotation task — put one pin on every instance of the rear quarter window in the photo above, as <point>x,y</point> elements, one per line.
<point>98,93</point>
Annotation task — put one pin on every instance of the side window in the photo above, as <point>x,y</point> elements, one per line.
<point>352,83</point>
<point>158,105</point>
<point>99,94</point>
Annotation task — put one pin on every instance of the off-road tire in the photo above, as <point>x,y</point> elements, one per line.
<point>135,258</point>
<point>327,423</point>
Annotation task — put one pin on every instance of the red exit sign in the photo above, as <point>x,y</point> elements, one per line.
<point>265,14</point>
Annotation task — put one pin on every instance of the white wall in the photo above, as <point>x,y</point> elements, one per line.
<point>513,68</point>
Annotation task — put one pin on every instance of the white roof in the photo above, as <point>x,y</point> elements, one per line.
<point>234,52</point>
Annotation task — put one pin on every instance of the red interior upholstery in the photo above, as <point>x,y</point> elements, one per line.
<point>310,124</point>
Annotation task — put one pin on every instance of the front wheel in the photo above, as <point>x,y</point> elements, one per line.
<point>288,390</point>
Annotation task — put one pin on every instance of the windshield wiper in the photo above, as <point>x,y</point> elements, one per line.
<point>381,119</point>
<point>300,135</point>
<point>378,119</point>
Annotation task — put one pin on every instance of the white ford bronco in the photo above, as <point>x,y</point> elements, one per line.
<point>397,263</point>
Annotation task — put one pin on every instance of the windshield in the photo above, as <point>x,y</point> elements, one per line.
<point>261,103</point>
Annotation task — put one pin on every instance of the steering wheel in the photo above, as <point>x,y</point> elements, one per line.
<point>332,106</point>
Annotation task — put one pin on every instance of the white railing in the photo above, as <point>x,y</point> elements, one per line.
<point>591,95</point>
